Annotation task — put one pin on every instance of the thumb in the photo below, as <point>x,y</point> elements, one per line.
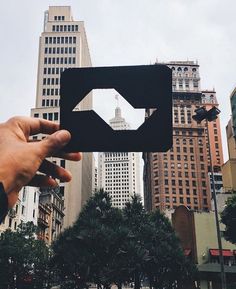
<point>53,143</point>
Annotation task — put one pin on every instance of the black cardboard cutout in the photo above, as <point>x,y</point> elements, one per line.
<point>148,86</point>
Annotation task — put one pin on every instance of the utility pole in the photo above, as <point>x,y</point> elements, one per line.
<point>210,115</point>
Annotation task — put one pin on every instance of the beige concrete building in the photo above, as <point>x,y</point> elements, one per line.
<point>229,168</point>
<point>197,233</point>
<point>63,44</point>
<point>25,210</point>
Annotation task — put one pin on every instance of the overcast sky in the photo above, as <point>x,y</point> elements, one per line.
<point>123,32</point>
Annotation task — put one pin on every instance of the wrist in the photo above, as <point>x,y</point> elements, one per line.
<point>7,186</point>
<point>3,203</point>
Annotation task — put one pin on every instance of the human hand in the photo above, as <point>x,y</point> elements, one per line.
<point>20,158</point>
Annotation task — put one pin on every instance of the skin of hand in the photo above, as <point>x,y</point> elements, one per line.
<point>21,158</point>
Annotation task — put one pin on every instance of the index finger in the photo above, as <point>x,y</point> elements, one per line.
<point>31,126</point>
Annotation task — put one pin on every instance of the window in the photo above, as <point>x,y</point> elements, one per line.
<point>23,210</point>
<point>63,163</point>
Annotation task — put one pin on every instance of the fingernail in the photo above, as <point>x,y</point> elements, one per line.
<point>63,136</point>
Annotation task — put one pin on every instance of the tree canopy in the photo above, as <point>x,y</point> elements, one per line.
<point>23,259</point>
<point>228,217</point>
<point>108,246</point>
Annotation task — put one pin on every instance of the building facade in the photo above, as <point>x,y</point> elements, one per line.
<point>118,172</point>
<point>51,213</point>
<point>197,234</point>
<point>180,176</point>
<point>25,210</point>
<point>63,44</point>
<point>229,167</point>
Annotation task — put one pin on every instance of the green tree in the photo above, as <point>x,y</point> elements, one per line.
<point>154,250</point>
<point>166,263</point>
<point>85,252</point>
<point>112,246</point>
<point>135,218</point>
<point>228,217</point>
<point>23,259</point>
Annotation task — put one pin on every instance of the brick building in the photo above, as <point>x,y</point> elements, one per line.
<point>180,176</point>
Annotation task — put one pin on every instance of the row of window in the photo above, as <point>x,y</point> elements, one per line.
<point>50,102</point>
<point>183,69</point>
<point>65,28</point>
<point>60,40</point>
<point>51,81</point>
<point>182,200</point>
<point>107,155</point>
<point>181,191</point>
<point>186,174</point>
<point>60,50</point>
<point>49,116</point>
<point>51,91</point>
<point>59,18</point>
<point>187,183</point>
<point>116,169</point>
<point>116,189</point>
<point>183,157</point>
<point>59,60</point>
<point>55,70</point>
<point>117,165</point>
<point>185,166</point>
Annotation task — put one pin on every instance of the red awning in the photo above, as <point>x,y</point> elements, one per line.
<point>187,252</point>
<point>216,252</point>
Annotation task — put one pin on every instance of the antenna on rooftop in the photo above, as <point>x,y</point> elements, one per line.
<point>117,99</point>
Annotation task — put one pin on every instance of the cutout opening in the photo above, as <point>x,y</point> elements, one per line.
<point>115,110</point>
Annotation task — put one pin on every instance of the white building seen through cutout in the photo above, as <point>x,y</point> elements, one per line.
<point>119,172</point>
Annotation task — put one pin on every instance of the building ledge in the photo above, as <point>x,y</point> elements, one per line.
<point>215,268</point>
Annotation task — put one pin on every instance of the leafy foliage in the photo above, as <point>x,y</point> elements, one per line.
<point>228,217</point>
<point>23,259</point>
<point>107,245</point>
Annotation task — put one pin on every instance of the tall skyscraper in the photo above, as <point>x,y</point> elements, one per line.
<point>118,172</point>
<point>180,176</point>
<point>63,44</point>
